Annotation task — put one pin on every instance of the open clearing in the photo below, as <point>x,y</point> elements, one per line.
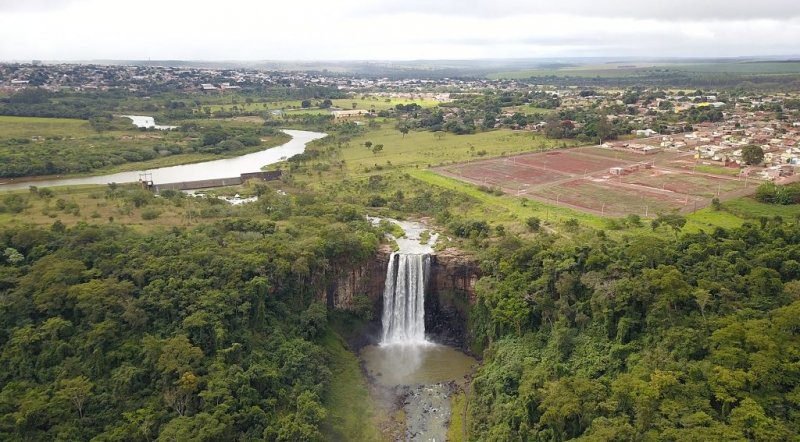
<point>583,179</point>
<point>27,127</point>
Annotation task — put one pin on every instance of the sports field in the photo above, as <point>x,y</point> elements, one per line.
<point>603,181</point>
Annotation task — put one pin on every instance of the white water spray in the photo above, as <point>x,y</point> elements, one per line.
<point>404,293</point>
<point>404,298</point>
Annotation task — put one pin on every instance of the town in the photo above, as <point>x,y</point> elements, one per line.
<point>715,126</point>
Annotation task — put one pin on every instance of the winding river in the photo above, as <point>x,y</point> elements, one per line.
<point>224,168</point>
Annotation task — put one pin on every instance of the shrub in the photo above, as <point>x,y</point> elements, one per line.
<point>150,214</point>
<point>533,223</point>
<point>469,228</point>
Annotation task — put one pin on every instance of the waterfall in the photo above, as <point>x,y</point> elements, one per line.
<point>404,298</point>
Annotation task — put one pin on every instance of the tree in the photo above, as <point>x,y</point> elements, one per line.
<point>702,297</point>
<point>403,129</point>
<point>214,136</point>
<point>674,220</point>
<point>377,148</point>
<point>752,154</point>
<point>178,356</point>
<point>603,128</point>
<point>368,144</point>
<point>12,256</point>
<point>76,391</point>
<point>180,397</point>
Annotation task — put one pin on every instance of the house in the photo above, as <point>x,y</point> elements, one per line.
<point>644,133</point>
<point>340,114</point>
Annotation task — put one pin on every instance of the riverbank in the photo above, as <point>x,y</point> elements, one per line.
<point>218,168</point>
<point>166,161</point>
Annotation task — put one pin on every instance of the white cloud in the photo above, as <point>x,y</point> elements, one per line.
<point>361,29</point>
<point>650,9</point>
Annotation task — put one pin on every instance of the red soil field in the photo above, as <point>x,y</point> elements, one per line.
<point>568,162</point>
<point>502,173</point>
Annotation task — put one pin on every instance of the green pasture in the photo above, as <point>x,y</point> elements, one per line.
<point>366,101</point>
<point>29,127</point>
<point>422,149</point>
<point>749,208</point>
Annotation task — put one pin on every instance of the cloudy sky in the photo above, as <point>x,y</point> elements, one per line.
<point>394,29</point>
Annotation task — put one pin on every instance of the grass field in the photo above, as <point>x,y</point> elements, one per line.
<point>423,149</point>
<point>29,127</point>
<point>92,207</point>
<point>749,208</point>
<point>295,106</point>
<point>708,219</point>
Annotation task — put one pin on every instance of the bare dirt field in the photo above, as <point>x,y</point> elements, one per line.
<point>582,178</point>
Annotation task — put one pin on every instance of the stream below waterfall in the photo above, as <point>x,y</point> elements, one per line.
<point>409,374</point>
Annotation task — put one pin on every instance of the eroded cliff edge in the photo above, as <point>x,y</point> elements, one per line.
<point>449,293</point>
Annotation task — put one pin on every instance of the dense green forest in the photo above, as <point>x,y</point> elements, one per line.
<point>648,337</point>
<point>208,333</point>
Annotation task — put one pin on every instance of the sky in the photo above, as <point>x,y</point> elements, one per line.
<point>394,29</point>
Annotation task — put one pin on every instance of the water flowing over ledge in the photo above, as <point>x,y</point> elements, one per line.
<point>407,275</point>
<point>404,299</point>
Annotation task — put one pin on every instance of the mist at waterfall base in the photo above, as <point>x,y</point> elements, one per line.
<point>404,356</point>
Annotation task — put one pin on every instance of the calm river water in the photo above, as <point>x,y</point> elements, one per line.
<point>225,168</point>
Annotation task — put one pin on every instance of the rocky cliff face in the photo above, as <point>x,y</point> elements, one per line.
<point>366,279</point>
<point>449,293</point>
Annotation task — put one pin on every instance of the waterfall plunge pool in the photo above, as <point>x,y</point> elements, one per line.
<point>415,364</point>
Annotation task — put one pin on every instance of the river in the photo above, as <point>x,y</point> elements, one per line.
<point>224,168</point>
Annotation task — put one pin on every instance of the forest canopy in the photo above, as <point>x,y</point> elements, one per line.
<point>647,338</point>
<point>210,333</point>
